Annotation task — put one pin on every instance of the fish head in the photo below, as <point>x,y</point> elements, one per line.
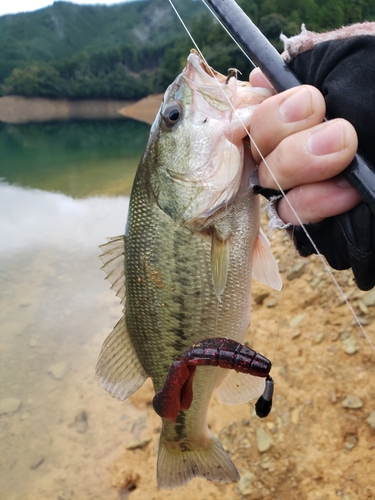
<point>196,143</point>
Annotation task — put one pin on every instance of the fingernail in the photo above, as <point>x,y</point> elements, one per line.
<point>342,182</point>
<point>297,107</point>
<point>327,139</point>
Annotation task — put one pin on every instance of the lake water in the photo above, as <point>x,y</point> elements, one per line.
<point>64,188</point>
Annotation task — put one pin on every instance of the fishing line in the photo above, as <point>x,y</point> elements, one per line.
<point>283,194</point>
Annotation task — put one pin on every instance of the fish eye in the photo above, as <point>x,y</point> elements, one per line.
<point>172,114</point>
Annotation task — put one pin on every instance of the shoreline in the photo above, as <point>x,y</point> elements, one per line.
<point>19,110</point>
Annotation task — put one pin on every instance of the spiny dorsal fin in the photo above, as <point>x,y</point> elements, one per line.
<point>265,267</point>
<point>119,370</point>
<point>113,258</point>
<point>219,263</point>
<point>238,388</point>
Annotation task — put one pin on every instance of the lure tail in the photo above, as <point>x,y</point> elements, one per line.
<point>177,465</point>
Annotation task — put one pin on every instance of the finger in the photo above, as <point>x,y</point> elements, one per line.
<point>310,156</point>
<point>257,79</point>
<point>282,115</point>
<point>315,202</point>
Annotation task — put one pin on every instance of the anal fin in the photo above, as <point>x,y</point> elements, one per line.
<point>239,388</point>
<point>119,370</point>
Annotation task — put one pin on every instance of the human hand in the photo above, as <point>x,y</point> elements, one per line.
<point>305,154</point>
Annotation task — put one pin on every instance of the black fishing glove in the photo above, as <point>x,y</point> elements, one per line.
<point>341,64</point>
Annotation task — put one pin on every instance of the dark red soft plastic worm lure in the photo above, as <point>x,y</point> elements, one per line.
<point>177,392</point>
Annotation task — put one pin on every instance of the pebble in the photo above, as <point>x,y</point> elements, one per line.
<point>371,419</point>
<point>38,460</point>
<point>33,342</point>
<point>362,321</point>
<point>264,440</point>
<point>272,302</point>
<point>245,484</point>
<point>59,370</point>
<point>260,297</point>
<point>294,416</point>
<point>362,306</point>
<point>65,495</point>
<point>350,345</point>
<point>369,298</point>
<point>138,443</point>
<point>296,320</point>
<point>296,271</point>
<point>319,337</point>
<point>352,402</point>
<point>81,422</point>
<point>296,334</point>
<point>9,405</point>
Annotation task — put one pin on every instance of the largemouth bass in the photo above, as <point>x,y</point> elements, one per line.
<point>192,243</point>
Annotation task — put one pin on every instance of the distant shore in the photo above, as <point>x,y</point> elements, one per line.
<point>17,109</point>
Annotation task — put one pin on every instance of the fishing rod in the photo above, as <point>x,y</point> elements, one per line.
<point>263,54</point>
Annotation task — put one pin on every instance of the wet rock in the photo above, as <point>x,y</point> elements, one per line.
<point>81,422</point>
<point>296,320</point>
<point>59,370</point>
<point>369,298</point>
<point>296,271</point>
<point>138,443</point>
<point>260,297</point>
<point>264,440</point>
<point>9,405</point>
<point>36,462</point>
<point>245,484</point>
<point>352,402</point>
<point>350,346</point>
<point>371,419</point>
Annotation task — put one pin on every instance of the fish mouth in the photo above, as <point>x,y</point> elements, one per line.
<point>201,66</point>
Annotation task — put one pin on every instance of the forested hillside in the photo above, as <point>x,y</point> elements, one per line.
<point>129,50</point>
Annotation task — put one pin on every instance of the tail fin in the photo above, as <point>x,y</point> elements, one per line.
<point>177,467</point>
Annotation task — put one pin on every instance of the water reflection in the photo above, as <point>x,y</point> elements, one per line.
<point>77,158</point>
<point>56,310</point>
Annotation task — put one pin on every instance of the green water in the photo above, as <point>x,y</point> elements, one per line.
<point>77,158</point>
<point>64,189</point>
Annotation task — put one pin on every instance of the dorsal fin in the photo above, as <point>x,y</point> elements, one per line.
<point>113,258</point>
<point>265,267</point>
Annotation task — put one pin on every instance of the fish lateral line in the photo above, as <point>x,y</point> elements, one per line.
<point>177,393</point>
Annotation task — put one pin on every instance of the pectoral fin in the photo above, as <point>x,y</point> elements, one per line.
<point>219,263</point>
<point>119,370</point>
<point>113,258</point>
<point>238,388</point>
<point>265,267</point>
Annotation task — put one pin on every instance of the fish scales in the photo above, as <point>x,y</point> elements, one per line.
<point>192,243</point>
<point>169,287</point>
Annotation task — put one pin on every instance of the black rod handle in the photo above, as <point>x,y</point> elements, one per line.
<point>359,173</point>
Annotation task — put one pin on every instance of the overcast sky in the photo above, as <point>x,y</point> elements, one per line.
<point>14,6</point>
